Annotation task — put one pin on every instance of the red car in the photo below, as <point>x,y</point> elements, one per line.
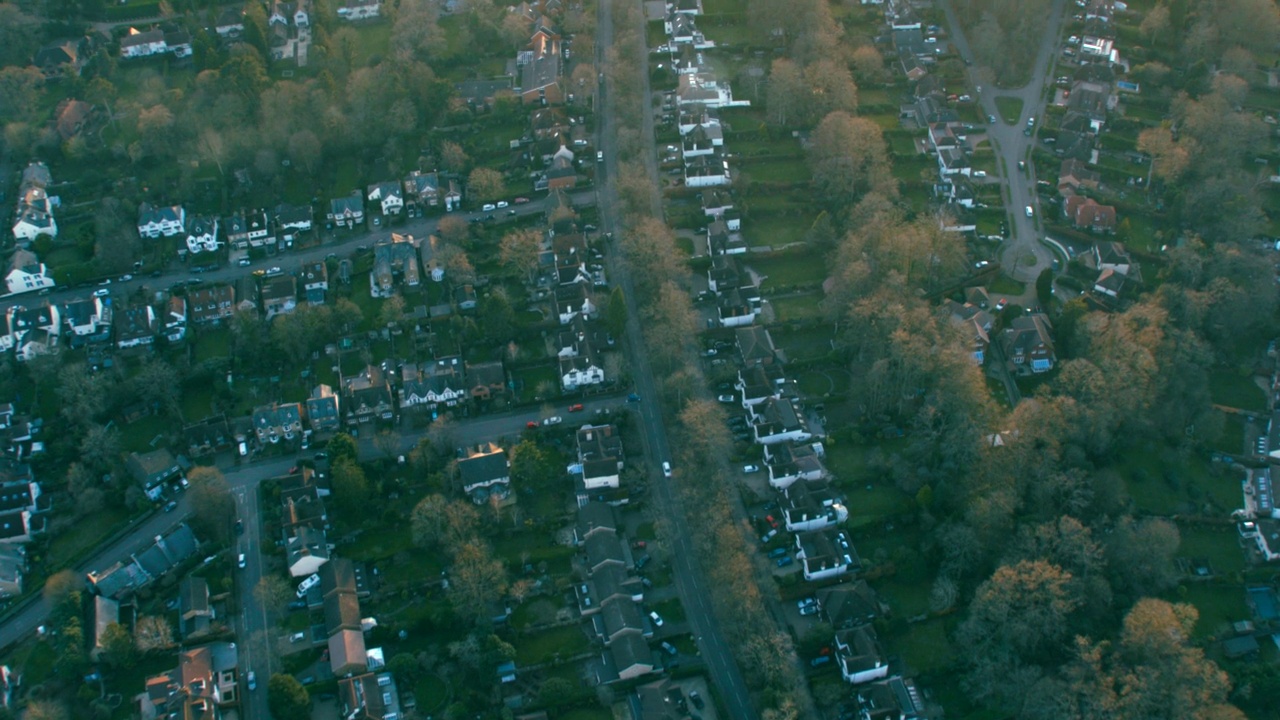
<point>521,201</point>
<point>772,522</point>
<point>531,425</point>
<point>575,408</point>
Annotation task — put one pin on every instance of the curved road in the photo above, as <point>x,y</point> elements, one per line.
<point>1023,255</point>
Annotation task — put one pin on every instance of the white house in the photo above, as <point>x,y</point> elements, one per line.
<point>306,551</point>
<point>433,383</point>
<point>788,463</point>
<point>582,371</point>
<point>359,9</point>
<point>289,220</point>
<point>826,554</point>
<point>34,214</point>
<point>389,197</point>
<point>600,455</point>
<point>202,234</point>
<point>484,472</point>
<point>778,420</point>
<point>139,44</point>
<point>27,273</point>
<point>707,170</point>
<point>860,656</point>
<point>175,321</point>
<point>808,507</point>
<point>162,221</point>
<point>573,301</point>
<point>705,90</point>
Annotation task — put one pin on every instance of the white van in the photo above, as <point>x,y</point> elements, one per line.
<point>244,449</point>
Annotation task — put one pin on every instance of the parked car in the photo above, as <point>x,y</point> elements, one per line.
<point>669,648</point>
<point>809,610</point>
<point>553,420</point>
<point>170,506</point>
<point>488,206</point>
<point>697,700</point>
<point>785,561</point>
<point>666,469</point>
<point>820,661</point>
<point>764,539</point>
<point>239,527</point>
<point>101,292</point>
<point>242,563</point>
<point>1030,212</point>
<point>1004,302</point>
<point>656,618</point>
<point>644,560</point>
<point>532,425</point>
<point>750,468</point>
<point>311,581</point>
<point>776,553</point>
<point>521,200</point>
<point>726,398</point>
<point>806,602</point>
<point>253,681</point>
<point>773,522</point>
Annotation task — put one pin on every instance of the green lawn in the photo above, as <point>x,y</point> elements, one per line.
<point>212,343</point>
<point>1220,545</point>
<point>1162,483</point>
<point>798,267</point>
<point>540,647</point>
<point>1231,388</point>
<point>803,344</point>
<point>1232,438</point>
<point>431,693</point>
<point>1218,605</point>
<point>85,534</point>
<point>777,171</point>
<point>1006,285</point>
<point>137,436</point>
<point>925,647</point>
<point>1010,109</point>
<point>798,307</point>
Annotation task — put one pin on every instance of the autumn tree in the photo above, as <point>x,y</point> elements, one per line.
<point>152,632</point>
<point>484,184</point>
<point>520,250</point>
<point>849,158</point>
<point>351,488</point>
<point>211,501</point>
<point>117,646</point>
<point>428,521</point>
<point>287,698</point>
<point>476,579</point>
<point>273,593</point>
<point>342,446</point>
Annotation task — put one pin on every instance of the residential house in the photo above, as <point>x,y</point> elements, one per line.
<point>426,190</point>
<point>369,697</point>
<point>572,302</point>
<point>72,117</point>
<point>703,89</point>
<point>894,698</point>
<point>548,123</point>
<point>465,297</point>
<point>1073,175</point>
<point>715,204</point>
<point>596,518</point>
<point>353,10</point>
<point>1091,100</point>
<point>205,683</point>
<point>202,234</point>
<point>34,214</point>
<point>135,326</point>
<point>13,566</point>
<point>702,139</point>
<point>600,455</point>
<point>167,552</point>
<point>32,330</point>
<point>324,409</point>
<point>17,527</point>
<point>140,44</point>
<point>860,656</point>
<point>561,175</point>
<point>708,170</point>
<point>1112,256</point>
<point>347,211</point>
<point>367,397</point>
<point>152,470</point>
<point>1097,47</point>
<point>175,320</point>
<point>230,23</point>
<point>1028,344</point>
<point>609,584</point>
<point>62,58</point>
<point>826,554</point>
<point>580,372</point>
<point>810,506</point>
<point>757,383</point>
<point>275,422</point>
<point>618,619</point>
<point>485,471</point>
<point>291,220</point>
<point>156,222</point>
<point>755,346</point>
<point>315,281</point>
<point>279,295</point>
<point>388,197</point>
<point>604,549</point>
<point>738,307</point>
<point>849,605</point>
<point>1086,214</point>
<point>486,379</point>
<point>195,612</point>
<point>539,70</point>
<point>208,436</point>
<point>211,304</point>
<point>27,273</point>
<point>628,658</point>
<point>974,322</point>
<point>1110,283</point>
<point>177,41</point>
<point>306,550</point>
<point>481,94</point>
<point>433,383</point>
<point>778,420</point>
<point>395,259</point>
<point>247,295</point>
<point>723,239</point>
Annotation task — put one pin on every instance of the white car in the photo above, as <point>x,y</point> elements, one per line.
<point>242,563</point>
<point>750,469</point>
<point>554,420</point>
<point>666,469</point>
<point>311,581</point>
<point>488,206</point>
<point>253,681</point>
<point>1030,212</point>
<point>502,203</point>
<point>101,292</point>
<point>727,398</point>
<point>656,618</point>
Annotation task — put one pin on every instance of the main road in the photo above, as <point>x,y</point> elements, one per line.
<point>686,567</point>
<point>1023,256</point>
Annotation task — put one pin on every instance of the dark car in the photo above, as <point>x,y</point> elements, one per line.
<point>239,527</point>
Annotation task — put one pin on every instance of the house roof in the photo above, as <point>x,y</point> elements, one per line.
<point>630,650</point>
<point>193,596</point>
<point>276,289</point>
<point>484,465</point>
<point>604,547</point>
<point>1085,212</point>
<point>338,576</point>
<point>596,516</point>
<point>620,617</point>
<point>489,373</point>
<point>341,611</point>
<point>347,650</point>
<point>849,604</point>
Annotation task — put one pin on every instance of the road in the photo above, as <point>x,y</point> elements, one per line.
<point>1023,256</point>
<point>345,242</point>
<point>687,571</point>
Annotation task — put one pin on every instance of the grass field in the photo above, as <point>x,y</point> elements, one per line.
<point>1010,109</point>
<point>1162,483</point>
<point>799,307</point>
<point>791,268</point>
<point>562,642</point>
<point>1230,388</point>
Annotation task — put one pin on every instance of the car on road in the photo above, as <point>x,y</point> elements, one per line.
<point>577,407</point>
<point>105,282</point>
<point>101,292</point>
<point>1029,211</point>
<point>776,553</point>
<point>242,562</point>
<point>488,206</point>
<point>666,469</point>
<point>170,506</point>
<point>274,271</point>
<point>764,539</point>
<point>726,398</point>
<point>1022,165</point>
<point>126,278</point>
<point>532,425</point>
<point>553,420</point>
<point>981,264</point>
<point>377,221</point>
<point>669,648</point>
<point>239,527</point>
<point>503,203</point>
<point>697,700</point>
<point>253,681</point>
<point>656,618</point>
<point>599,156</point>
<point>521,200</point>
<point>1004,302</point>
<point>633,398</point>
<point>785,561</point>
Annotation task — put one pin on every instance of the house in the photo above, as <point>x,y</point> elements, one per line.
<point>315,281</point>
<point>62,58</point>
<point>860,655</point>
<point>178,42</point>
<point>758,383</point>
<point>703,139</point>
<point>426,190</point>
<point>703,89</point>
<point>1112,256</point>
<point>34,214</point>
<point>561,175</point>
<point>323,409</point>
<point>167,552</point>
<point>175,320</point>
<point>27,273</point>
<point>539,70</point>
<point>778,420</point>
<point>211,304</point>
<point>604,549</point>
<point>156,222</point>
<point>205,682</point>
<point>353,10</point>
<point>207,436</point>
<point>152,470</point>
<point>1073,175</point>
<point>618,619</point>
<point>1085,213</point>
<point>1110,283</point>
<point>13,565</point>
<point>140,44</point>
<point>826,554</point>
<point>395,259</point>
<point>600,455</point>
<point>481,94</point>
<point>369,697</point>
<point>16,527</point>
<point>367,397</point>
<point>1097,47</point>
<point>628,658</point>
<point>582,371</point>
<point>894,698</point>
<point>71,117</point>
<point>708,170</point>
<point>433,383</point>
<point>486,379</point>
<point>548,123</point>
<point>246,294</point>
<point>135,326</point>
<point>737,307</point>
<point>279,295</point>
<point>388,196</point>
<point>810,506</point>
<point>485,471</point>
<point>715,203</point>
<point>723,240</point>
<point>230,23</point>
<point>1091,100</point>
<point>275,422</point>
<point>848,605</point>
<point>346,211</point>
<point>291,220</point>
<point>755,346</point>
<point>195,613</point>
<point>974,322</point>
<point>572,302</point>
<point>306,551</point>
<point>202,234</point>
<point>1028,344</point>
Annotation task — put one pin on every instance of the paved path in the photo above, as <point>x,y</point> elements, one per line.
<point>1023,255</point>
<point>690,582</point>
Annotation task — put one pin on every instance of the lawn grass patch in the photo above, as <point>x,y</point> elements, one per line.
<point>559,643</point>
<point>1161,482</point>
<point>431,693</point>
<point>86,533</point>
<point>1005,285</point>
<point>1231,439</point>
<point>197,403</point>
<point>797,307</point>
<point>786,269</point>
<point>1219,605</point>
<point>925,647</point>
<point>540,382</point>
<point>1221,545</point>
<point>803,344</point>
<point>778,171</point>
<point>138,435</point>
<point>533,548</point>
<point>212,343</point>
<point>671,611</point>
<point>1237,390</point>
<point>1010,109</point>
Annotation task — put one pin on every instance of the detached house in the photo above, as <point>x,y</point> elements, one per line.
<point>353,10</point>
<point>291,220</point>
<point>369,696</point>
<point>426,190</point>
<point>211,305</point>
<point>826,554</point>
<point>279,295</point>
<point>600,455</point>
<point>135,326</point>
<point>347,211</point>
<point>276,422</point>
<point>388,197</point>
<point>315,281</point>
<point>367,397</point>
<point>26,273</point>
<point>87,320</point>
<point>202,234</point>
<point>324,409</point>
<point>812,506</point>
<point>156,222</point>
<point>778,420</point>
<point>573,301</point>
<point>205,683</point>
<point>860,655</point>
<point>485,471</point>
<point>139,44</point>
<point>394,260</point>
<point>152,470</point>
<point>1028,344</point>
<point>34,214</point>
<point>1073,175</point>
<point>1086,214</point>
<point>539,70</point>
<point>486,379</point>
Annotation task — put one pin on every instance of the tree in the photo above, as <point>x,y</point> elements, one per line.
<point>305,151</point>
<point>342,446</point>
<point>20,91</point>
<point>392,311</point>
<point>47,709</point>
<point>1141,554</point>
<point>1044,287</point>
<point>388,443</point>
<point>287,698</point>
<point>477,579</point>
<point>351,488</point>
<point>453,157</point>
<point>273,593</point>
<point>787,95</point>
<point>211,501</point>
<point>849,158</point>
<point>152,632</point>
<point>60,585</point>
<point>868,63</point>
<point>520,250</point>
<point>428,521</point>
<point>615,312</point>
<point>484,184</point>
<point>453,228</point>
<point>1155,25</point>
<point>117,646</point>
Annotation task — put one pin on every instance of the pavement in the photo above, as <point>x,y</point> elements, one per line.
<point>1023,255</point>
<point>689,579</point>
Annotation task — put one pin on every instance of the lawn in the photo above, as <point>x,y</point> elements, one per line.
<point>541,647</point>
<point>431,693</point>
<point>87,533</point>
<point>809,343</point>
<point>925,647</point>
<point>1163,483</point>
<point>530,547</point>
<point>197,403</point>
<point>797,307</point>
<point>1231,440</point>
<point>137,436</point>
<point>1005,285</point>
<point>774,230</point>
<point>1218,605</point>
<point>537,383</point>
<point>1010,108</point>
<point>791,268</point>
<point>1221,545</point>
<point>777,171</point>
<point>1231,388</point>
<point>212,343</point>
